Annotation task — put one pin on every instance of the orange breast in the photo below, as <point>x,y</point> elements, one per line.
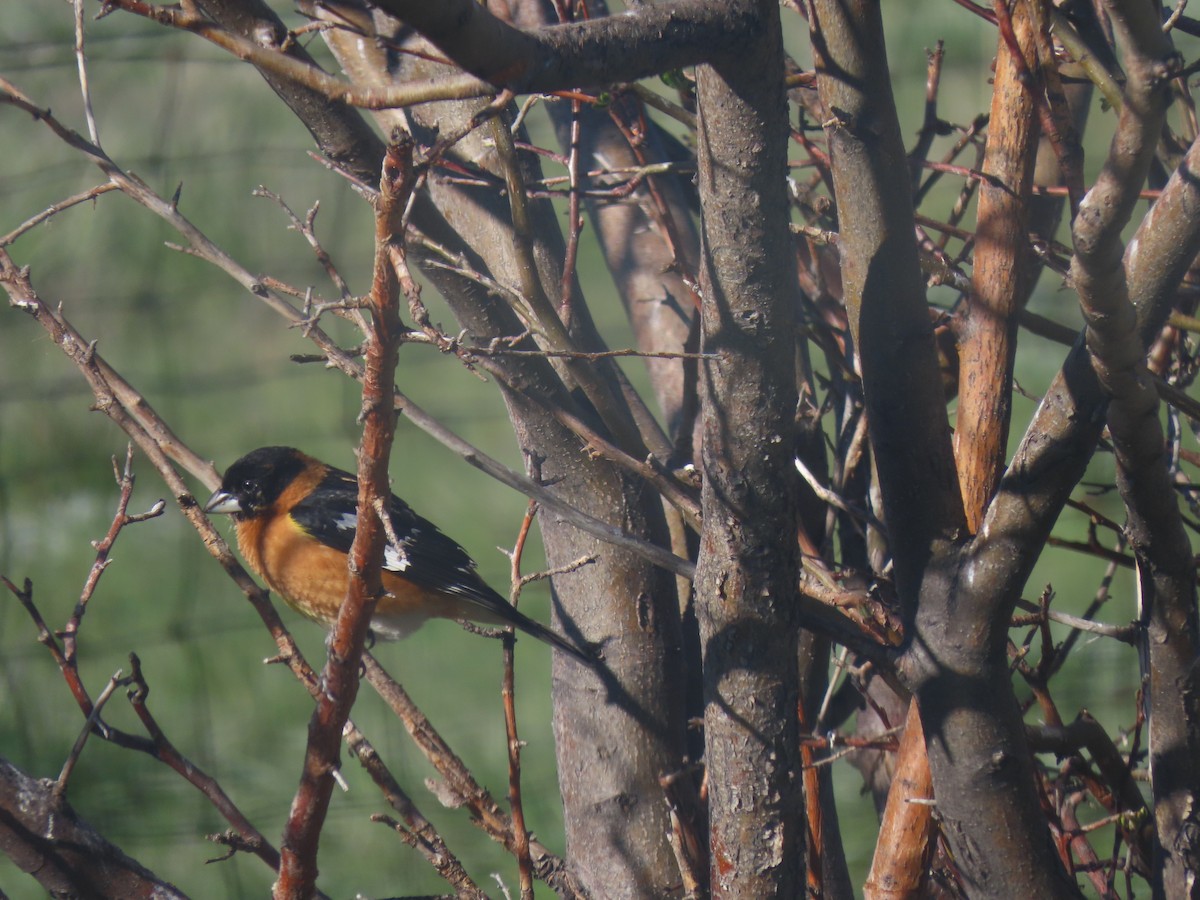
<point>312,578</point>
<point>309,576</point>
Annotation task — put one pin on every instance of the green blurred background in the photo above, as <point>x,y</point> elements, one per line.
<point>214,362</point>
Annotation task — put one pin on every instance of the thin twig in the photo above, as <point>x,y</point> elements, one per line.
<point>81,64</point>
<point>55,208</point>
<point>508,695</point>
<point>574,218</point>
<point>166,752</point>
<point>92,723</point>
<point>599,354</point>
<point>834,500</point>
<point>459,786</point>
<point>268,59</point>
<point>125,481</point>
<point>663,105</point>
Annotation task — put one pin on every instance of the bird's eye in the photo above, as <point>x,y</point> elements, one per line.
<point>249,486</point>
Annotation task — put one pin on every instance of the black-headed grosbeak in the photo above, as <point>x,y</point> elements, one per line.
<point>296,517</point>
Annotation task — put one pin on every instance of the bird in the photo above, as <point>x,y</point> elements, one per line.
<point>295,519</point>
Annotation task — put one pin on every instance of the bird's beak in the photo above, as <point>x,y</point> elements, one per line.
<point>224,503</point>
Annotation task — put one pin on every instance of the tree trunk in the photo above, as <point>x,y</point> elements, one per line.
<point>748,565</point>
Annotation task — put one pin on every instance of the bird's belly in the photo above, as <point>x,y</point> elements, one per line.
<point>310,577</point>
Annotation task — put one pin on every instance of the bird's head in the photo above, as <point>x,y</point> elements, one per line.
<point>253,483</point>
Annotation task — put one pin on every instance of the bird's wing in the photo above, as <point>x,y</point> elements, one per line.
<point>420,553</point>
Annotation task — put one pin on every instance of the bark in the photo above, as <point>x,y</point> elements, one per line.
<point>907,826</point>
<point>1166,578</point>
<point>613,739</point>
<point>827,872</point>
<point>650,39</point>
<point>341,132</point>
<point>44,836</point>
<point>1004,270</point>
<point>1003,275</point>
<point>617,735</point>
<point>748,562</point>
<point>954,658</point>
<point>884,288</point>
<point>1062,436</point>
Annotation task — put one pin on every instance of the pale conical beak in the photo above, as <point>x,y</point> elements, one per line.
<point>224,503</point>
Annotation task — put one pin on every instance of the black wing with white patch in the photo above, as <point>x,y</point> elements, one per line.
<point>421,553</point>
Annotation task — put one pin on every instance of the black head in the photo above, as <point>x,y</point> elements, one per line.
<point>256,480</point>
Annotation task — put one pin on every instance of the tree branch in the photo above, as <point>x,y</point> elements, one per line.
<point>45,837</point>
<point>341,132</point>
<point>884,291</point>
<point>304,72</point>
<point>1166,570</point>
<point>298,865</point>
<point>647,40</point>
<point>983,773</point>
<point>1004,270</point>
<point>460,786</point>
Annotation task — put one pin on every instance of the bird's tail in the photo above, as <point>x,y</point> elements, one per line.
<point>542,633</point>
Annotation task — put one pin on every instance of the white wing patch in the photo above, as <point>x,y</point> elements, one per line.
<point>395,559</point>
